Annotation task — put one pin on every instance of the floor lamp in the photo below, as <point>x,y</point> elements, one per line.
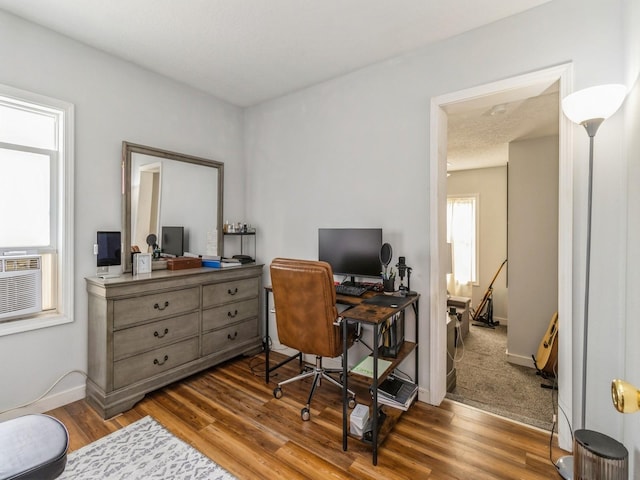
<point>589,108</point>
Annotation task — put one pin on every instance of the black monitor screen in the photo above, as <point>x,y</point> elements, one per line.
<point>172,241</point>
<point>109,249</point>
<point>351,251</point>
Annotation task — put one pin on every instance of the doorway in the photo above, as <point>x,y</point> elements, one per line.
<point>507,90</point>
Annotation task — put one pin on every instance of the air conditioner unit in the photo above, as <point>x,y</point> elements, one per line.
<point>20,285</point>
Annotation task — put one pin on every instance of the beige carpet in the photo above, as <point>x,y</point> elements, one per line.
<point>486,380</point>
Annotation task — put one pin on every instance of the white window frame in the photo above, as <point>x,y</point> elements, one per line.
<point>62,211</point>
<point>476,198</point>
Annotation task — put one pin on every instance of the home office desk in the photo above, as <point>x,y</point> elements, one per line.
<point>376,316</point>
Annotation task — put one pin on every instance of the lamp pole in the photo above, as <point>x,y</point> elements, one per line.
<point>589,108</point>
<point>591,126</point>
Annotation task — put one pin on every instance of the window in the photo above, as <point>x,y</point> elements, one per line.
<point>36,161</point>
<point>462,233</point>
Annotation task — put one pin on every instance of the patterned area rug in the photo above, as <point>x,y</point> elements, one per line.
<point>142,450</point>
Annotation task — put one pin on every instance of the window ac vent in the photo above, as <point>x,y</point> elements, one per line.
<point>20,285</point>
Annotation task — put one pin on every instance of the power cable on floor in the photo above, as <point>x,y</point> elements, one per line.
<point>24,405</point>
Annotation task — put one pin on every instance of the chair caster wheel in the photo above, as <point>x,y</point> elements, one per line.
<point>352,402</point>
<point>305,414</point>
<point>277,392</point>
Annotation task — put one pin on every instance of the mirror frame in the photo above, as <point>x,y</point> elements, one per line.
<point>128,149</point>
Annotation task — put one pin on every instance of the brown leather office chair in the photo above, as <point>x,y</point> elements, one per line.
<point>307,318</point>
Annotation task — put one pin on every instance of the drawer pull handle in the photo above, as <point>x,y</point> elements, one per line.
<point>235,290</point>
<point>235,335</point>
<point>158,362</point>
<point>156,334</point>
<point>232,315</point>
<point>158,307</point>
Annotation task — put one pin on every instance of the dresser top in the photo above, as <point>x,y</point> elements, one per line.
<point>228,273</point>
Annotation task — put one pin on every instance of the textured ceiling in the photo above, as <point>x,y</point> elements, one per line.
<point>249,51</point>
<point>479,132</point>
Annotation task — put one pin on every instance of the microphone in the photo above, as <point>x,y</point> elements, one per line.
<point>403,270</point>
<point>402,267</point>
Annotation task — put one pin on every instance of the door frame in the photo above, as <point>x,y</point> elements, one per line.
<point>437,227</point>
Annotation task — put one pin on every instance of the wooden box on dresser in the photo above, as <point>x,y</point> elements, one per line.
<point>149,330</point>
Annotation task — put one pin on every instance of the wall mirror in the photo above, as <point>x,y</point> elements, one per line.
<point>163,188</point>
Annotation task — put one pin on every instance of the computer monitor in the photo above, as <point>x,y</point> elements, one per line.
<point>351,251</point>
<point>109,249</point>
<point>172,241</point>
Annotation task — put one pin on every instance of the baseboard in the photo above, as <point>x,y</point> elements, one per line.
<point>520,360</point>
<point>501,320</point>
<point>49,402</point>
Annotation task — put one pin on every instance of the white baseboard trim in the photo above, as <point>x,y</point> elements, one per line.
<point>520,360</point>
<point>501,320</point>
<point>49,402</point>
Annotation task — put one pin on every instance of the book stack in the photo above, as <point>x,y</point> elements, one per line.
<point>220,262</point>
<point>397,393</point>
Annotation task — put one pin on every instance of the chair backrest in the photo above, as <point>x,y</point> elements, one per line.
<point>305,303</point>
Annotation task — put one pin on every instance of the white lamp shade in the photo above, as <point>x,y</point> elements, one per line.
<point>594,102</point>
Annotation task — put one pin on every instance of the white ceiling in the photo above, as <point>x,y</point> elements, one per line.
<point>249,51</point>
<point>479,131</point>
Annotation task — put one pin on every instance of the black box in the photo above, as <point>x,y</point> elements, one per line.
<point>392,336</point>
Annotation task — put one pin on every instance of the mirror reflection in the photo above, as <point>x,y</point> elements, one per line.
<point>163,189</point>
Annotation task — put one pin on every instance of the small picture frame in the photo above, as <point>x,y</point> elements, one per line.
<point>142,263</point>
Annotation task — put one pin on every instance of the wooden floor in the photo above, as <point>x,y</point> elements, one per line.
<point>230,415</point>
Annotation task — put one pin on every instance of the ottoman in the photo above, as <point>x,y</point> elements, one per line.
<point>32,447</point>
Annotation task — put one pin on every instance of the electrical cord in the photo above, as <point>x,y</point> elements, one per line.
<point>460,339</point>
<point>408,377</point>
<point>455,357</point>
<point>555,403</point>
<point>45,393</point>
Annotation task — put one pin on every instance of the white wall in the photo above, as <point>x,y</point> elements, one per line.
<point>631,369</point>
<point>362,139</point>
<point>491,186</point>
<point>532,244</point>
<point>114,101</point>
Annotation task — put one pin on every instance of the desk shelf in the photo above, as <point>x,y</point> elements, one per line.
<point>243,236</point>
<point>391,415</point>
<point>376,316</point>
<point>406,349</point>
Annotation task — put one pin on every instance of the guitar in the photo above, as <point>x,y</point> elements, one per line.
<point>487,301</point>
<point>547,355</point>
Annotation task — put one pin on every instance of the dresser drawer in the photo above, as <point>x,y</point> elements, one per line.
<point>232,312</point>
<point>130,341</point>
<point>227,338</point>
<point>157,305</point>
<point>219,293</point>
<point>155,362</point>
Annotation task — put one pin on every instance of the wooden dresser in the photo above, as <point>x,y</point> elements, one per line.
<point>149,330</point>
